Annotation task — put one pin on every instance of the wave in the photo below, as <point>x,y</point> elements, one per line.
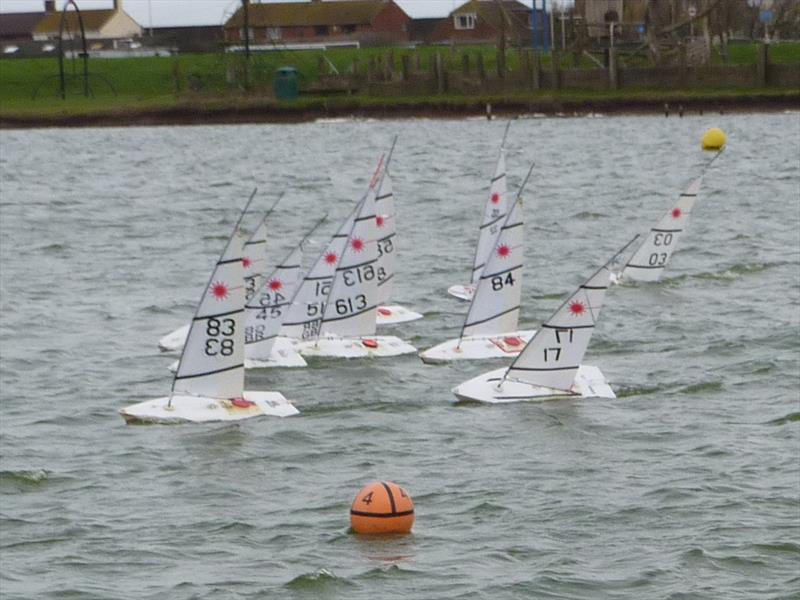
<point>792,417</point>
<point>703,387</point>
<point>318,582</point>
<point>736,271</point>
<point>22,480</point>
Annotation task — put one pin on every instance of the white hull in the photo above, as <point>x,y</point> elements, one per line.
<point>376,346</point>
<point>462,292</point>
<point>477,347</point>
<point>394,313</point>
<point>195,409</point>
<point>589,383</point>
<point>175,340</point>
<point>283,355</point>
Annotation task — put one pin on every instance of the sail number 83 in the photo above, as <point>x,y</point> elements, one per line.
<point>218,337</point>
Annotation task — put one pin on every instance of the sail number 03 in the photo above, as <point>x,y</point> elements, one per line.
<point>219,334</point>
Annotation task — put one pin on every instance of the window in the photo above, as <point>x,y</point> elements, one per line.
<point>349,28</point>
<point>321,30</point>
<point>273,33</point>
<point>465,21</point>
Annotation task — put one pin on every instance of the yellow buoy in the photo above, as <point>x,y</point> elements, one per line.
<point>714,139</point>
<point>382,507</point>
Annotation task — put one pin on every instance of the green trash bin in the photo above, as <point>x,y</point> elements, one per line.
<point>286,84</point>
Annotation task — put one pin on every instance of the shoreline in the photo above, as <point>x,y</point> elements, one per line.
<point>307,111</point>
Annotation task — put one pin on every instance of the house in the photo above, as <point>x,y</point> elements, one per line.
<point>597,14</point>
<point>479,21</point>
<point>109,24</point>
<point>378,21</point>
<point>18,27</point>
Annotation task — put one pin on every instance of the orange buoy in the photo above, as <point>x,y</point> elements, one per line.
<point>370,343</point>
<point>382,507</point>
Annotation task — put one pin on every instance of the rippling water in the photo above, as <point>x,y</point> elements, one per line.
<point>686,486</point>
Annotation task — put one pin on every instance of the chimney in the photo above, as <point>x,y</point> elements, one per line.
<point>49,7</point>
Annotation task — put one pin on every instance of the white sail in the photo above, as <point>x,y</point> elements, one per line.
<point>494,213</point>
<point>495,306</point>
<point>212,362</point>
<point>351,309</point>
<point>304,319</point>
<point>254,259</point>
<point>552,358</point>
<point>269,306</point>
<point>386,228</point>
<point>650,259</point>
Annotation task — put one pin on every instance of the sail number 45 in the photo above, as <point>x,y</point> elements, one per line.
<point>219,340</point>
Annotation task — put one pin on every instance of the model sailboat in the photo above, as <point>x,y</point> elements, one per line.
<point>550,364</point>
<point>254,263</point>
<point>209,382</point>
<point>490,327</point>
<point>650,259</point>
<point>386,223</point>
<point>346,324</point>
<point>494,213</point>
<point>267,310</point>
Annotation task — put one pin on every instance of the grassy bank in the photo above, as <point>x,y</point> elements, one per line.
<point>219,87</point>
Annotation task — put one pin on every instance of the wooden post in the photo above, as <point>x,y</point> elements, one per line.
<point>465,65</point>
<point>481,67</point>
<point>613,75</point>
<point>537,71</point>
<point>555,67</point>
<point>439,70</point>
<point>682,65</point>
<point>405,65</point>
<point>762,64</point>
<point>525,61</point>
<point>389,66</point>
<point>322,66</point>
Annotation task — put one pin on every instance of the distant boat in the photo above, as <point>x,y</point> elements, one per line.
<point>346,317</point>
<point>494,213</point>
<point>649,260</point>
<point>550,364</point>
<point>385,220</point>
<point>490,327</point>
<point>209,383</point>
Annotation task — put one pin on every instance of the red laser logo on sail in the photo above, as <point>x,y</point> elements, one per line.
<point>219,290</point>
<point>577,308</point>
<point>357,244</point>
<point>379,221</point>
<point>495,199</point>
<point>331,258</point>
<point>676,213</point>
<point>503,251</point>
<point>246,262</point>
<point>275,284</point>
